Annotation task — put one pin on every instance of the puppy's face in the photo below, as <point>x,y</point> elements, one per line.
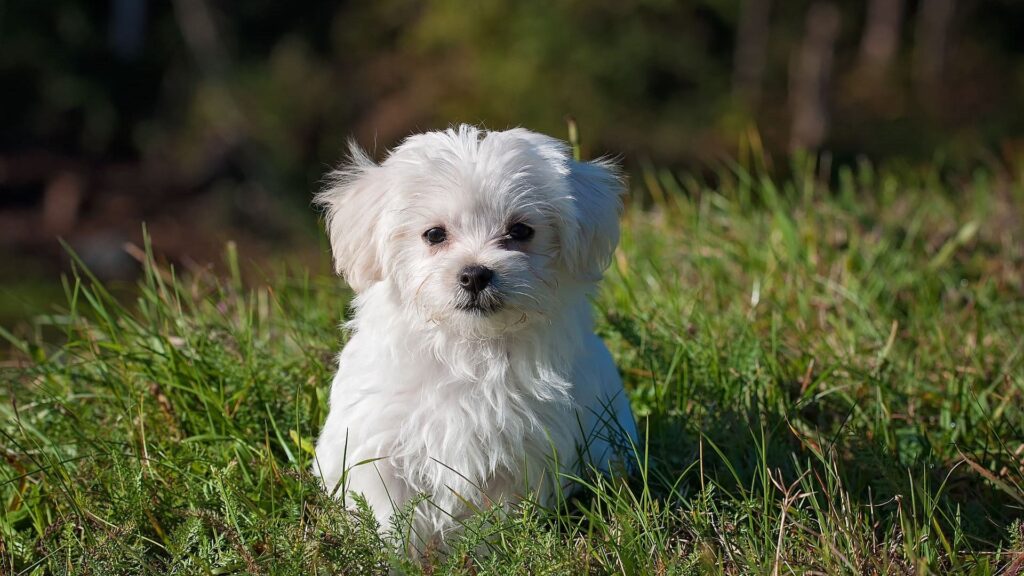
<point>476,246</point>
<point>479,232</point>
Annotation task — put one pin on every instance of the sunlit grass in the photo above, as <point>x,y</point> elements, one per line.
<point>829,381</point>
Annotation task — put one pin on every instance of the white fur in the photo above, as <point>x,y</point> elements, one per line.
<point>471,409</point>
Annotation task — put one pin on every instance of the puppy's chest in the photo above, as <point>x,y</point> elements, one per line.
<point>485,425</point>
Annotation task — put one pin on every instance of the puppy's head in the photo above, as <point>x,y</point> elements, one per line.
<point>480,232</point>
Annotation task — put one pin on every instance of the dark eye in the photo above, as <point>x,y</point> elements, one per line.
<point>435,235</point>
<point>520,232</point>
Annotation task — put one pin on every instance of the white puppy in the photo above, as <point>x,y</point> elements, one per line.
<point>473,375</point>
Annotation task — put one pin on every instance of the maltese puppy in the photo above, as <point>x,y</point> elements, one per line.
<point>472,377</point>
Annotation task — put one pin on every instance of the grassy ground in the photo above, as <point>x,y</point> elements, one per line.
<point>830,382</point>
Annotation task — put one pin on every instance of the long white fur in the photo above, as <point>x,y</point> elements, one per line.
<point>470,410</point>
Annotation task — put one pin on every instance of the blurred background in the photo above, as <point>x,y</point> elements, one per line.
<point>212,120</point>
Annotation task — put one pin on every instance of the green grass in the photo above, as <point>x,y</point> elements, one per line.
<point>830,382</point>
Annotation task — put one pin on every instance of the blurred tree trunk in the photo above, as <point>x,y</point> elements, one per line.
<point>810,74</point>
<point>204,41</point>
<point>931,38</point>
<point>751,50</point>
<point>881,39</point>
<point>201,36</point>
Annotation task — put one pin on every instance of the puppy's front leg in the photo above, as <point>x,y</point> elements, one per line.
<point>379,484</point>
<point>372,476</point>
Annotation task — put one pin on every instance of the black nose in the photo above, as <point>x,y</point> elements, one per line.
<point>475,278</point>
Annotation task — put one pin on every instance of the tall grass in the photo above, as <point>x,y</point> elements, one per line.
<point>828,380</point>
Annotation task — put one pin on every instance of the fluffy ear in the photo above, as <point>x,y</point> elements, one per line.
<point>596,189</point>
<point>590,224</point>
<point>353,202</point>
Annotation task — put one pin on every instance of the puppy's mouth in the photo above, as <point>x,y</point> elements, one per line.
<point>482,304</point>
